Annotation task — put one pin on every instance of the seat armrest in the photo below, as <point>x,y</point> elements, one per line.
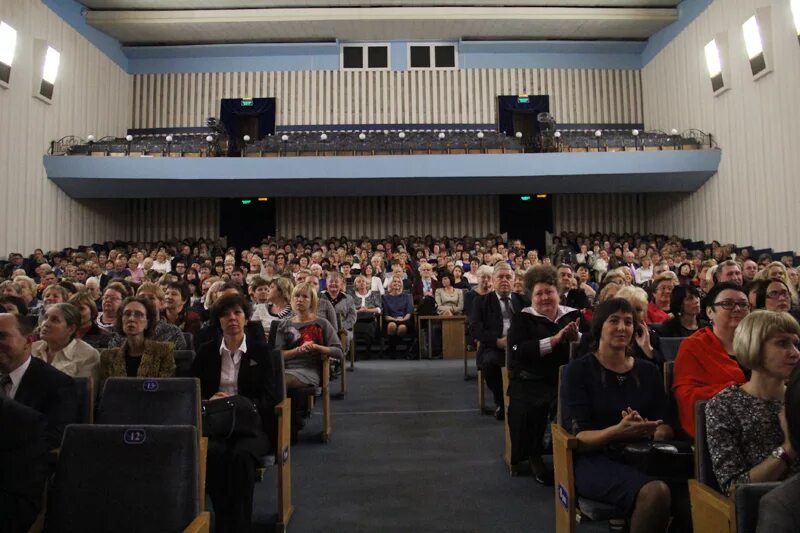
<point>565,439</point>
<point>201,524</point>
<point>711,510</point>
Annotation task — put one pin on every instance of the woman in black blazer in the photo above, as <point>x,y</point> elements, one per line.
<point>236,365</point>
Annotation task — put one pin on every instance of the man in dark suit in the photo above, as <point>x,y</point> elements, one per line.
<point>237,364</point>
<point>489,321</point>
<point>23,465</point>
<point>778,511</point>
<point>32,382</point>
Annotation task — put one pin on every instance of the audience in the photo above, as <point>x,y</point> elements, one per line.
<point>183,281</point>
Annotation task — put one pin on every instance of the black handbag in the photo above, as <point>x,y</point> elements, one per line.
<point>230,416</point>
<point>666,460</point>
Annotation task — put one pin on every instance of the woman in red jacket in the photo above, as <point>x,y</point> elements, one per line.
<point>704,365</point>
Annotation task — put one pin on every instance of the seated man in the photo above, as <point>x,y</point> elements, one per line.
<point>489,322</point>
<point>23,465</point>
<point>31,381</point>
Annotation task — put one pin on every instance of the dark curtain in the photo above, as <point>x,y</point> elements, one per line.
<point>507,105</point>
<point>230,111</point>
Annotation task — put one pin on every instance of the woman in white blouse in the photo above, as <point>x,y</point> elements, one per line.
<point>60,348</point>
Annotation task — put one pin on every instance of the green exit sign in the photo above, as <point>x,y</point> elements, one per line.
<point>523,100</point>
<point>247,102</point>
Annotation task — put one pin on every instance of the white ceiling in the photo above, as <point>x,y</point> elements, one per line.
<point>381,24</point>
<point>240,4</point>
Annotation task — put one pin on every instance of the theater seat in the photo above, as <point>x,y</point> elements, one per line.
<point>669,347</point>
<point>183,363</point>
<point>162,401</point>
<point>126,479</point>
<point>85,389</point>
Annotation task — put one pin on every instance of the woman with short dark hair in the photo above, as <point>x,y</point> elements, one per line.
<point>610,398</point>
<point>236,365</point>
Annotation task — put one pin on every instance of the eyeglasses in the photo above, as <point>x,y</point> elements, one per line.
<point>131,313</point>
<point>777,295</point>
<point>728,305</point>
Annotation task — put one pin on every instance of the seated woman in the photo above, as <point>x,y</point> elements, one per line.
<point>685,308</point>
<point>304,338</point>
<point>608,399</point>
<point>449,300</point>
<point>277,306</point>
<point>113,296</point>
<point>538,341</point>
<point>138,356</point>
<point>88,331</point>
<point>459,279</point>
<point>236,365</point>
<point>177,310</point>
<point>397,310</point>
<point>773,295</point>
<point>704,365</point>
<point>368,309</point>
<point>746,434</point>
<point>660,299</point>
<point>60,348</point>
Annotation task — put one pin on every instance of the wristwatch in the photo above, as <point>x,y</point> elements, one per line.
<point>780,453</point>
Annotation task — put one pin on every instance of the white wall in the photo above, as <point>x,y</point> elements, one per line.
<point>753,200</point>
<point>337,97</point>
<point>588,213</point>
<point>92,95</point>
<point>379,217</point>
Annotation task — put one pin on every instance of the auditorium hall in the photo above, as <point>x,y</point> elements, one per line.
<point>399,266</point>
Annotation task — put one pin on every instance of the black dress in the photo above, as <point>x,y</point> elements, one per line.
<point>592,398</point>
<point>533,378</point>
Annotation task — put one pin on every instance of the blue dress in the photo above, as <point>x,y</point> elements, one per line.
<point>592,398</point>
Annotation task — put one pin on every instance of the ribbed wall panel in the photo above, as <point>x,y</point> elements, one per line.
<point>380,97</point>
<point>163,219</point>
<point>600,212</point>
<point>92,95</point>
<point>753,198</point>
<point>382,216</point>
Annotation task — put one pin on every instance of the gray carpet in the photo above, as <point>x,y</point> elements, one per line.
<point>409,453</point>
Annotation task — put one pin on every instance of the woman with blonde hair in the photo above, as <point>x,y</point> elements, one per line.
<point>747,438</point>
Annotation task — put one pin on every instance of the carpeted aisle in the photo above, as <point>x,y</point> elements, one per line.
<point>409,452</point>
